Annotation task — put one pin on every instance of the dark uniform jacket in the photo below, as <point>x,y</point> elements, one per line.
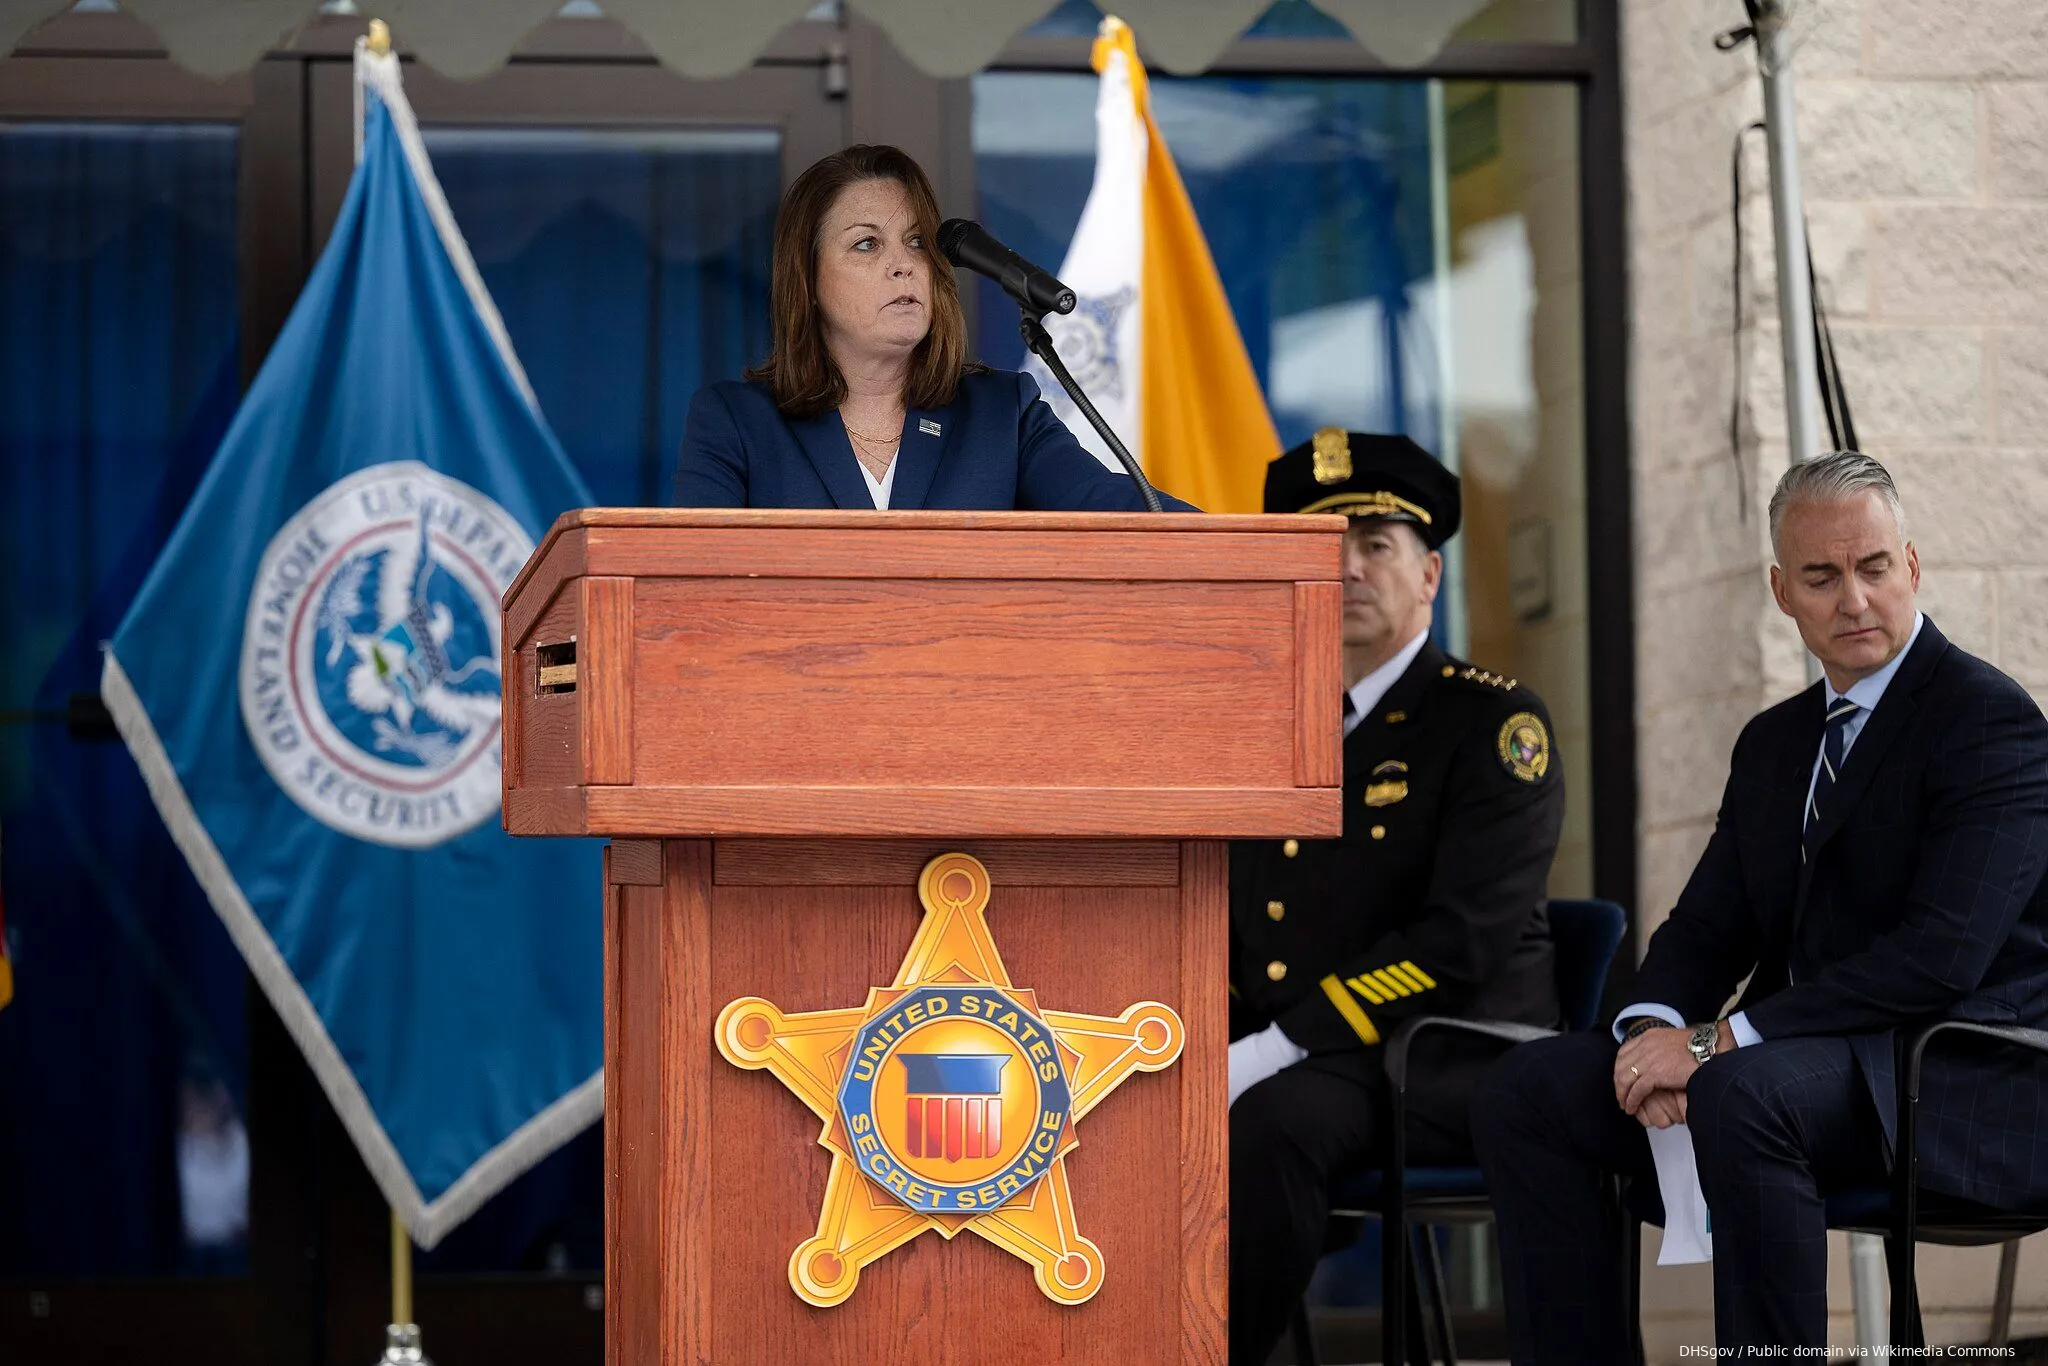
<point>1432,901</point>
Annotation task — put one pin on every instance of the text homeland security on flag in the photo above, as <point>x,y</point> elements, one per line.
<point>310,682</point>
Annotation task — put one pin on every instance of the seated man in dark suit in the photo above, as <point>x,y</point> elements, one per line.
<point>1430,903</point>
<point>1877,862</point>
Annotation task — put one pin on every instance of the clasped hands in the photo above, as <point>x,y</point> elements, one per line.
<point>1651,1072</point>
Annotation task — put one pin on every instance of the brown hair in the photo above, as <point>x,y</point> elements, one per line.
<point>799,371</point>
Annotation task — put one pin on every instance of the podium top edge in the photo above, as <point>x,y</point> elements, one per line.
<point>843,519</point>
<point>863,519</point>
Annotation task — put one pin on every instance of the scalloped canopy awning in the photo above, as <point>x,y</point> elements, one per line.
<point>468,39</point>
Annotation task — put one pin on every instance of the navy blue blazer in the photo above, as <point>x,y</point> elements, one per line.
<point>995,447</point>
<point>1922,897</point>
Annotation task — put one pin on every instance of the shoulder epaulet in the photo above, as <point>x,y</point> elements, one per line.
<point>1482,678</point>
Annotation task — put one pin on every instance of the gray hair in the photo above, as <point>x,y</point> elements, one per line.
<point>1835,477</point>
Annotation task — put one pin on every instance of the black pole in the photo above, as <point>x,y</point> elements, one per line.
<point>1039,342</point>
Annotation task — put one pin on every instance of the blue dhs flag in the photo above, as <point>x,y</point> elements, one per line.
<point>309,680</point>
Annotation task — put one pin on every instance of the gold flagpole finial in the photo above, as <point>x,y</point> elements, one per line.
<point>380,38</point>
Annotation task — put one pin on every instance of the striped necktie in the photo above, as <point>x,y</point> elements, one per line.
<point>1833,746</point>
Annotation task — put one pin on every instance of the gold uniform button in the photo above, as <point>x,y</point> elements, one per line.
<point>1291,848</point>
<point>1275,971</point>
<point>1275,909</point>
<point>1448,671</point>
<point>1379,832</point>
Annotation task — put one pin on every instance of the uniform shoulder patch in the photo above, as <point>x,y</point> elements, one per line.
<point>1524,747</point>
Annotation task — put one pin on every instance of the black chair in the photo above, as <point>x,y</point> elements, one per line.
<point>1586,935</point>
<point>1902,1213</point>
<point>1917,1218</point>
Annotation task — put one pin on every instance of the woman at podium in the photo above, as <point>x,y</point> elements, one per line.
<point>867,399</point>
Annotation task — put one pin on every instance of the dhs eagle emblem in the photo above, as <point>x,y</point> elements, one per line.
<point>370,655</point>
<point>1087,342</point>
<point>949,1099</point>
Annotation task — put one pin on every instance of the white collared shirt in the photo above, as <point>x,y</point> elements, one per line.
<point>880,489</point>
<point>1866,693</point>
<point>1367,691</point>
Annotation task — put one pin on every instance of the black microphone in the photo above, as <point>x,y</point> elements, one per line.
<point>972,247</point>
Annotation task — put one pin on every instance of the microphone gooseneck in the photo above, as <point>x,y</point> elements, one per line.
<point>1040,343</point>
<point>1038,292</point>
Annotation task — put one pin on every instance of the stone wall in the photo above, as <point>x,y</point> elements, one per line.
<point>1924,143</point>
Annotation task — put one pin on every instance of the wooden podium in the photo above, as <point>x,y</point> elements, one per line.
<point>779,718</point>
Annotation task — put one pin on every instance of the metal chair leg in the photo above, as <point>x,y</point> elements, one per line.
<point>1396,1282</point>
<point>1303,1334</point>
<point>1439,1295</point>
<point>1901,1245</point>
<point>2001,1303</point>
<point>1632,1272</point>
<point>1907,1328</point>
<point>1415,1329</point>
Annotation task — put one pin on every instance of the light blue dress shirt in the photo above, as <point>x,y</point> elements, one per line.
<point>1865,692</point>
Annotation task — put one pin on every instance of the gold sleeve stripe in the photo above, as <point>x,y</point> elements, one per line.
<point>1365,987</point>
<point>1391,983</point>
<point>1360,1023</point>
<point>1426,979</point>
<point>1407,975</point>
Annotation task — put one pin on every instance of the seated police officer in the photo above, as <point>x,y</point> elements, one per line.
<point>1431,902</point>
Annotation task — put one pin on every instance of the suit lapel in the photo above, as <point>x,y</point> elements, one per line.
<point>1794,769</point>
<point>824,443</point>
<point>917,459</point>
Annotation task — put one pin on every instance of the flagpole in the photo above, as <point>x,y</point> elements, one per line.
<point>401,1271</point>
<point>401,1335</point>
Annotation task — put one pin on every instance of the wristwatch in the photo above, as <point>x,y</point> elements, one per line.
<point>1702,1040</point>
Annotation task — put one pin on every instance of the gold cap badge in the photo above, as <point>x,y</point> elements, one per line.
<point>1332,455</point>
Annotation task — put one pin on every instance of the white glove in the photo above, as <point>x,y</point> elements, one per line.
<point>1258,1056</point>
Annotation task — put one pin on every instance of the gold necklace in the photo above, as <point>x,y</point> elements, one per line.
<point>870,440</point>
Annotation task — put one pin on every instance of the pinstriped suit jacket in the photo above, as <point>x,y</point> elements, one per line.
<point>1922,897</point>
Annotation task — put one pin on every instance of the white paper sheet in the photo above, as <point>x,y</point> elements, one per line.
<point>1688,1236</point>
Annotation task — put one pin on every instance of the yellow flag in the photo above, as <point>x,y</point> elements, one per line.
<point>1152,340</point>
